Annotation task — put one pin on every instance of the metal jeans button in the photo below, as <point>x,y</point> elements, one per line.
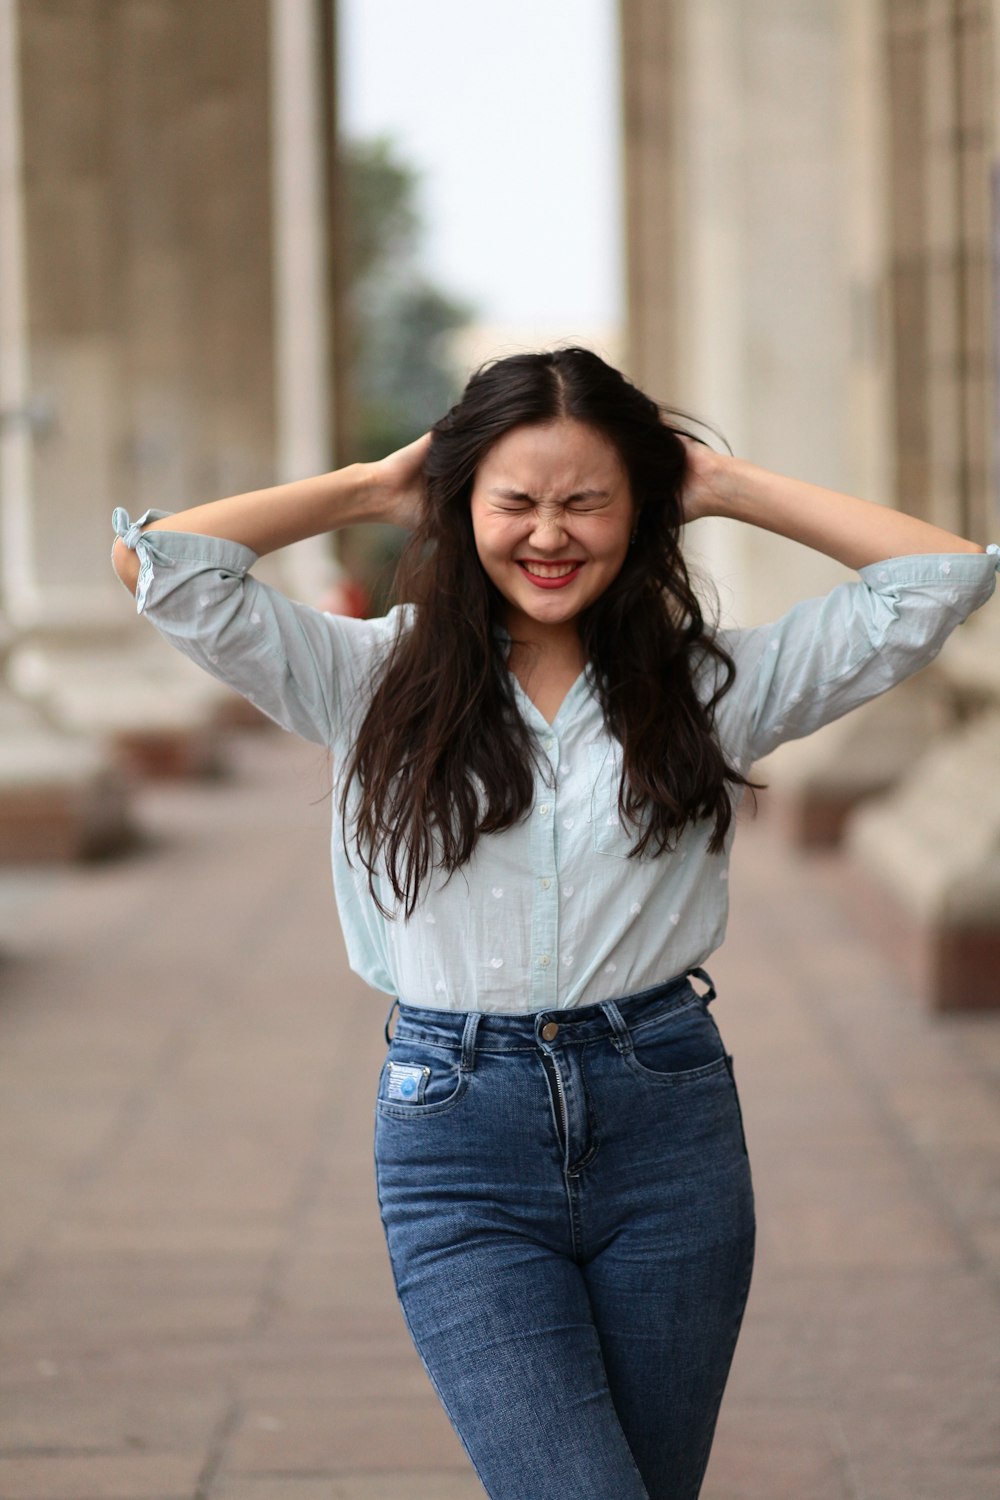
<point>550,1031</point>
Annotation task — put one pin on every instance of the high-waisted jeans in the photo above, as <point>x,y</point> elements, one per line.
<point>569,1212</point>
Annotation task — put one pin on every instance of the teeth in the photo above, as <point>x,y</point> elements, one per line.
<point>549,570</point>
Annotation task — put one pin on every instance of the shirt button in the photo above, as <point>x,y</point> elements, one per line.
<point>550,1031</point>
<point>548,742</point>
<point>543,809</point>
<point>546,882</point>
<point>544,961</point>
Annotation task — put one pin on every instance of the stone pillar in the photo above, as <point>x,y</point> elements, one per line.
<point>303,147</point>
<point>652,114</point>
<point>59,794</point>
<point>739,301</point>
<point>930,851</point>
<point>149,230</point>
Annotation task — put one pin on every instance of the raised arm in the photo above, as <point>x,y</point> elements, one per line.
<point>828,655</point>
<point>854,532</point>
<point>265,520</point>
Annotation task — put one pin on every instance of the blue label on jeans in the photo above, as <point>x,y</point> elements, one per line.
<point>407,1082</point>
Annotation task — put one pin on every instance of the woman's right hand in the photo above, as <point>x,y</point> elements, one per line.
<point>397,485</point>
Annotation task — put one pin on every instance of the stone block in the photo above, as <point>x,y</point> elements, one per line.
<point>170,753</point>
<point>931,854</point>
<point>59,800</point>
<point>814,784</point>
<point>152,705</point>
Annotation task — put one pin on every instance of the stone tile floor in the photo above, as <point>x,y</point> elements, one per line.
<point>196,1303</point>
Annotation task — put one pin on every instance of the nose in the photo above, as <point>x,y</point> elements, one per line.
<point>548,533</point>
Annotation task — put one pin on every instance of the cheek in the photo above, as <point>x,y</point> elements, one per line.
<point>484,548</point>
<point>494,542</point>
<point>481,540</point>
<point>610,544</point>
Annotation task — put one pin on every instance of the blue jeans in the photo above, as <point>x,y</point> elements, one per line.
<point>569,1212</point>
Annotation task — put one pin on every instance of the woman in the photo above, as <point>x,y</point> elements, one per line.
<point>537,762</point>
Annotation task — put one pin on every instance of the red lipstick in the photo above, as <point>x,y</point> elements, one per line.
<point>558,582</point>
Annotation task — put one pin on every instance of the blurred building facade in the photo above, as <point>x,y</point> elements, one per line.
<point>812,217</point>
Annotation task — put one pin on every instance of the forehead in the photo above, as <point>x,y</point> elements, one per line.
<point>551,459</point>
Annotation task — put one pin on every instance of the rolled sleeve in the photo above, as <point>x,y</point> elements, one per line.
<point>301,667</point>
<point>831,654</point>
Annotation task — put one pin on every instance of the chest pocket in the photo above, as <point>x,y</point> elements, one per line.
<point>610,835</point>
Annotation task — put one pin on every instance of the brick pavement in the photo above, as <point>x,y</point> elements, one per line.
<point>197,1304</point>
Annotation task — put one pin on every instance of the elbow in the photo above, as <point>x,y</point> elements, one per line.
<point>125,564</point>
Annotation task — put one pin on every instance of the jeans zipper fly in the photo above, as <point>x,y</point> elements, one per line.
<point>552,1068</point>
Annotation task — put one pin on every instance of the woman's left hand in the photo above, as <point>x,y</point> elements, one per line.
<point>707,482</point>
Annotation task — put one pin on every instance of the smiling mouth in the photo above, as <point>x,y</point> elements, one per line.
<point>548,570</point>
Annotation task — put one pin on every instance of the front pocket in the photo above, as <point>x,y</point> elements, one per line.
<point>678,1046</point>
<point>419,1080</point>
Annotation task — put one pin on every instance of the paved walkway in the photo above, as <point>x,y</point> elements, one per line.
<point>197,1304</point>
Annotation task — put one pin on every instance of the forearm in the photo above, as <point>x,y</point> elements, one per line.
<point>855,532</point>
<point>268,519</point>
<point>265,520</point>
<point>390,491</point>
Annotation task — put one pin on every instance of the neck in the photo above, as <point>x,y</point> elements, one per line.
<point>546,647</point>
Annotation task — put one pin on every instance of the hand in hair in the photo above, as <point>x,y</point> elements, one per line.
<point>396,485</point>
<point>706,479</point>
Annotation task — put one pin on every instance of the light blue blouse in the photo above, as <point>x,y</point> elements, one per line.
<point>550,913</point>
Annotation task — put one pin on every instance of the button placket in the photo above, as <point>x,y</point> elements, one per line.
<point>545,905</point>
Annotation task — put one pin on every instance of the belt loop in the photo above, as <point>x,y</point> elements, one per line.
<point>472,1021</point>
<point>709,994</point>
<point>392,1007</point>
<point>622,1035</point>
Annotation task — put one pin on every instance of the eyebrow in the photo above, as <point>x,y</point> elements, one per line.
<point>504,493</point>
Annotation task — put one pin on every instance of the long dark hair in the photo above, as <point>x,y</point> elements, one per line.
<point>444,754</point>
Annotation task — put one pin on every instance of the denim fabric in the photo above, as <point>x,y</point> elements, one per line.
<point>569,1212</point>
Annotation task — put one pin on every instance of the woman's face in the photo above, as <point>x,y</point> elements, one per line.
<point>552,515</point>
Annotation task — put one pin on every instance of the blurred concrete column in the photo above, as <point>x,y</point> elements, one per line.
<point>932,848</point>
<point>59,794</point>
<point>738,292</point>
<point>819,781</point>
<point>303,126</point>
<point>149,242</point>
<point>654,98</point>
